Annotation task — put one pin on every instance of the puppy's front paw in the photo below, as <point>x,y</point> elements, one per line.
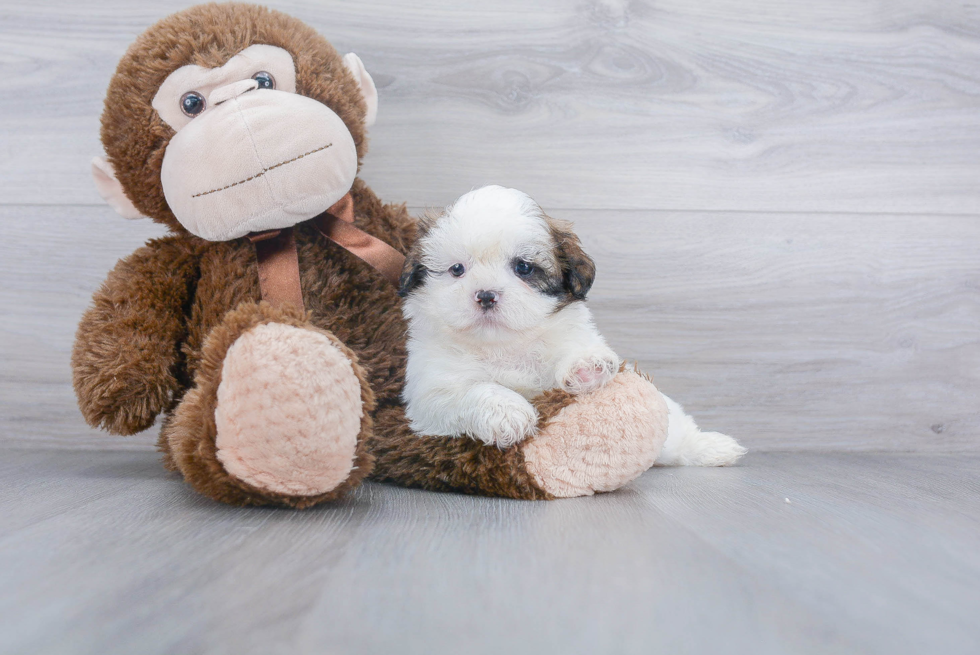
<point>504,419</point>
<point>589,373</point>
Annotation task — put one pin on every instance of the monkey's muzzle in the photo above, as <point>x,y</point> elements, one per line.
<point>262,160</point>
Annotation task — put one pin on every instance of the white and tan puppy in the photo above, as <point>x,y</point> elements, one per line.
<point>494,293</point>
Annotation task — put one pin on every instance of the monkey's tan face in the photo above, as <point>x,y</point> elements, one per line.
<point>250,154</point>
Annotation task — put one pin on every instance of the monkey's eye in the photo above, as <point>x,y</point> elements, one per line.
<point>457,270</point>
<point>523,268</point>
<point>265,80</point>
<point>192,103</point>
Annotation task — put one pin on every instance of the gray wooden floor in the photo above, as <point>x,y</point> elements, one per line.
<point>103,552</point>
<point>783,200</point>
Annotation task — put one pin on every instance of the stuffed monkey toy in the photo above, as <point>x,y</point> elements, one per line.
<point>266,327</point>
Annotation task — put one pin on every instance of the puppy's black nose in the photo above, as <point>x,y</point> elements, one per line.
<point>486,298</point>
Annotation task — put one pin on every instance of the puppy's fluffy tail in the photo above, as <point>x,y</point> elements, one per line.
<point>687,445</point>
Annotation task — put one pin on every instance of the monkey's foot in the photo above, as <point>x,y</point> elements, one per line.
<point>601,441</point>
<point>289,411</point>
<point>279,413</point>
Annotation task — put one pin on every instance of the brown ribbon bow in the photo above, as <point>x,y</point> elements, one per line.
<point>278,260</point>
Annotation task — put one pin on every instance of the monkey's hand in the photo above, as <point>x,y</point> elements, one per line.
<point>126,346</point>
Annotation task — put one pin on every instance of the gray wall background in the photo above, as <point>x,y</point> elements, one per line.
<point>782,197</point>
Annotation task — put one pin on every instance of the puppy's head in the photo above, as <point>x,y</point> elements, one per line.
<point>493,264</point>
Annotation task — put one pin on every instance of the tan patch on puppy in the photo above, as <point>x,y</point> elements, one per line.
<point>577,268</point>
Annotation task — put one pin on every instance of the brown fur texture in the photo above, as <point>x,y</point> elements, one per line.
<point>446,463</point>
<point>158,329</point>
<point>127,363</point>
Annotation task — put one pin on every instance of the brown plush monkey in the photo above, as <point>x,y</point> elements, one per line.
<point>263,327</point>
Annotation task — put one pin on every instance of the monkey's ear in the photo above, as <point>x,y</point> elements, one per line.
<point>111,190</point>
<point>368,90</point>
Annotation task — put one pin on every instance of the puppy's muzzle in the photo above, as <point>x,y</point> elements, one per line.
<point>486,299</point>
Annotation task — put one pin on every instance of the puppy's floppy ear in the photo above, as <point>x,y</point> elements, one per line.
<point>414,272</point>
<point>577,268</point>
<point>413,275</point>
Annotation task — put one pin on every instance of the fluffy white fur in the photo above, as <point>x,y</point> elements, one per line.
<point>473,368</point>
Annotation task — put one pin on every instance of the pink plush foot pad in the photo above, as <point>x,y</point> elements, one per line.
<point>602,441</point>
<point>289,411</point>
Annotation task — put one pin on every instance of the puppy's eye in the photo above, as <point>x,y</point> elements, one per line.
<point>192,103</point>
<point>523,268</point>
<point>457,270</point>
<point>265,80</point>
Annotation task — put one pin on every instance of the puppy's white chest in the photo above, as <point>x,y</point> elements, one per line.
<point>525,372</point>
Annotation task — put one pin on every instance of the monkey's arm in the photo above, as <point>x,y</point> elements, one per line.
<point>127,345</point>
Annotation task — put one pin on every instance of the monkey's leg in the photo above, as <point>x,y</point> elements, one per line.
<point>585,444</point>
<point>279,413</point>
<point>599,441</point>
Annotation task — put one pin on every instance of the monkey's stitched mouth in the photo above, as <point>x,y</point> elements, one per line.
<point>264,171</point>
